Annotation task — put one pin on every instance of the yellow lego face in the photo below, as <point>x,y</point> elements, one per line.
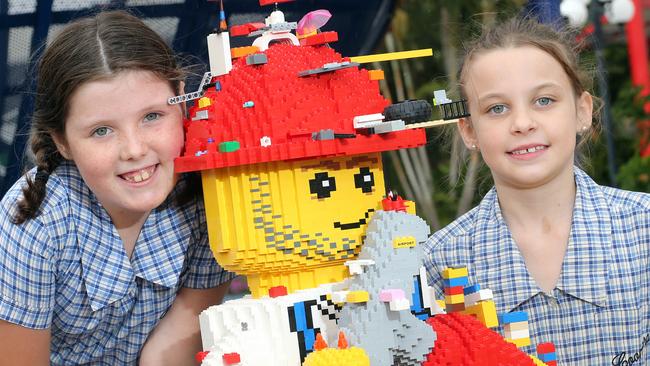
<point>291,216</point>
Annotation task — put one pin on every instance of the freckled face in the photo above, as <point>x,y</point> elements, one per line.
<point>525,115</point>
<point>123,137</point>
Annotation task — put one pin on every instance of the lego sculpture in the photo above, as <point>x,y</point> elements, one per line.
<point>287,135</point>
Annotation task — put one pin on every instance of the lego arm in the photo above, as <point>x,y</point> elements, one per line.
<point>23,346</point>
<point>177,338</point>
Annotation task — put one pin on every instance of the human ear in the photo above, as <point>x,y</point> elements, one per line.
<point>467,132</point>
<point>61,146</point>
<point>584,111</point>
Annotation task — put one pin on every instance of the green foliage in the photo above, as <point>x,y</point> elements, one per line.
<point>634,175</point>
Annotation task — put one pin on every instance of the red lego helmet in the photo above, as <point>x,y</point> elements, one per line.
<point>289,102</point>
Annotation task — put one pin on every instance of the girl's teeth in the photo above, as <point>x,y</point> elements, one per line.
<point>529,150</point>
<point>139,176</point>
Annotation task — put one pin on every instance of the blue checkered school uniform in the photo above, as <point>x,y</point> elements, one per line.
<point>598,313</point>
<point>67,270</point>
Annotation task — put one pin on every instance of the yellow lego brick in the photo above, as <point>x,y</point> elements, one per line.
<point>404,242</point>
<point>454,299</point>
<point>410,207</point>
<point>204,102</point>
<point>238,52</point>
<point>352,356</point>
<point>376,74</point>
<point>521,342</point>
<point>450,273</point>
<point>485,312</point>
<point>358,296</point>
<point>392,56</point>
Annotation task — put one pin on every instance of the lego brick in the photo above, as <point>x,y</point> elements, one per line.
<point>458,290</point>
<point>404,242</point>
<point>229,146</point>
<point>546,357</point>
<point>546,347</point>
<point>485,312</point>
<point>453,282</point>
<point>516,334</point>
<point>357,296</point>
<point>219,53</point>
<point>471,289</point>
<point>481,295</point>
<point>392,56</point>
<point>516,325</point>
<point>450,273</point>
<point>376,74</point>
<point>239,52</point>
<point>519,342</point>
<point>319,39</point>
<point>277,291</point>
<point>391,294</point>
<point>204,102</point>
<point>388,126</point>
<point>455,299</point>
<point>515,316</point>
<point>256,59</point>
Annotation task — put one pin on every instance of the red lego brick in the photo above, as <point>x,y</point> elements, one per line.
<point>278,291</point>
<point>200,356</point>
<point>231,358</point>
<point>547,347</point>
<point>551,363</point>
<point>320,38</point>
<point>464,341</point>
<point>456,290</point>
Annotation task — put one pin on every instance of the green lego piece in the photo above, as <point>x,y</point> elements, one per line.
<point>229,146</point>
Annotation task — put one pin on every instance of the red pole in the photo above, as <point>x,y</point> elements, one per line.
<point>638,53</point>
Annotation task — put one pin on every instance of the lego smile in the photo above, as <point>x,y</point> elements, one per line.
<point>354,225</point>
<point>528,150</point>
<point>138,176</point>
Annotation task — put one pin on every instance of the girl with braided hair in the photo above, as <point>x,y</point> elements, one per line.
<point>105,249</point>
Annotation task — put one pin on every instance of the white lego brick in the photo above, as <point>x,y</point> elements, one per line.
<point>367,120</point>
<point>481,295</point>
<point>356,266</point>
<point>400,304</point>
<point>219,53</point>
<point>516,334</point>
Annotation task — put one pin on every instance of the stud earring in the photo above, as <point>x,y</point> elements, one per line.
<point>474,147</point>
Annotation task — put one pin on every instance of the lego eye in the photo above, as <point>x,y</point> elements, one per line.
<point>322,185</point>
<point>364,180</point>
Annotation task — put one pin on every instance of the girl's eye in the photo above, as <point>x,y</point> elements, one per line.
<point>151,116</point>
<point>544,101</point>
<point>497,109</point>
<point>102,131</point>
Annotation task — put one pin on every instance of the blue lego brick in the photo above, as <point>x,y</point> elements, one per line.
<point>471,289</point>
<point>547,357</point>
<point>514,317</point>
<point>453,282</point>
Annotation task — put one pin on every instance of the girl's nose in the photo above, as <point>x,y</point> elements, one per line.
<point>133,146</point>
<point>523,122</point>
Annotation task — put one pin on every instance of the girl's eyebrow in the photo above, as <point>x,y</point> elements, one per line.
<point>498,95</point>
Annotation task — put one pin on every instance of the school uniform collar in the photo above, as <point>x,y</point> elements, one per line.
<point>108,274</point>
<point>584,269</point>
